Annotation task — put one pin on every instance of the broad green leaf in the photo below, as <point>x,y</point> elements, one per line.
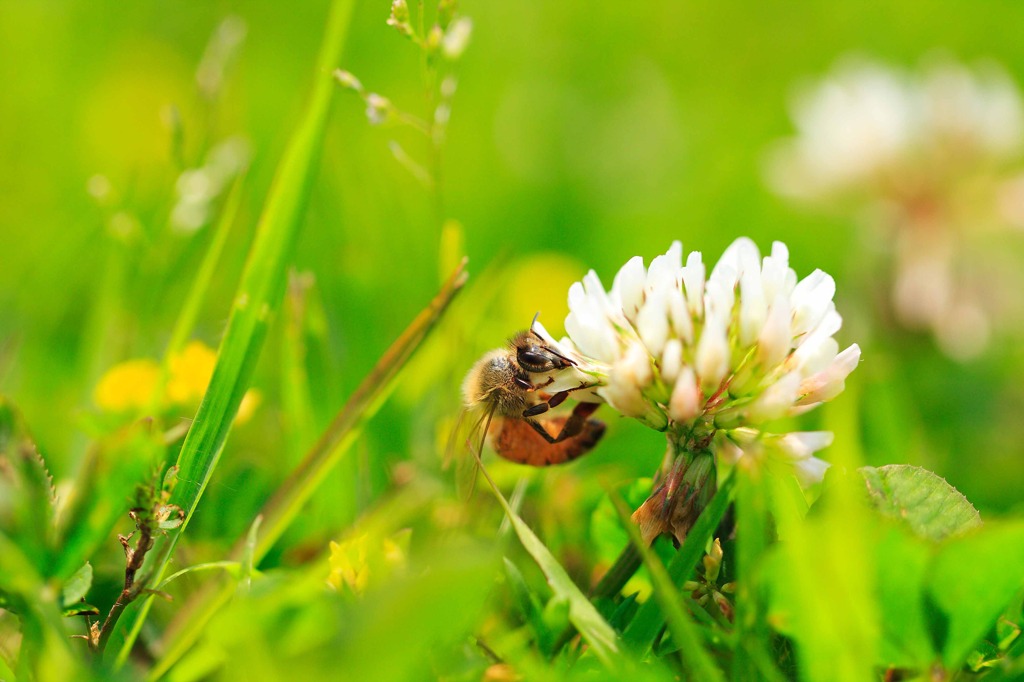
<point>45,650</point>
<point>973,580</point>
<point>822,585</point>
<point>26,490</point>
<point>80,609</point>
<point>77,586</point>
<point>595,630</point>
<point>903,562</point>
<point>925,501</point>
<point>257,299</point>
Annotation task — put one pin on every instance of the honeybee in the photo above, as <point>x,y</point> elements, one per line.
<point>500,387</point>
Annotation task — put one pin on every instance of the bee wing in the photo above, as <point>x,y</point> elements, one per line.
<point>465,445</point>
<point>456,437</point>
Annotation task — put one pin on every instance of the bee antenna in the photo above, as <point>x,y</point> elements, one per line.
<point>535,316</point>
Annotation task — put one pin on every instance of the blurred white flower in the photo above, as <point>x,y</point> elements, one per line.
<point>712,358</point>
<point>456,38</point>
<point>378,108</point>
<point>198,189</point>
<point>928,154</point>
<point>866,126</point>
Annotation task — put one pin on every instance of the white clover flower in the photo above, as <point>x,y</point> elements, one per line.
<point>711,358</point>
<point>930,155</point>
<point>866,126</point>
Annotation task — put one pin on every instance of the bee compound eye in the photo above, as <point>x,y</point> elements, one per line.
<point>533,361</point>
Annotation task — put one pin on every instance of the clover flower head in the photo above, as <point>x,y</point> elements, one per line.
<point>711,358</point>
<point>867,126</point>
<point>930,154</point>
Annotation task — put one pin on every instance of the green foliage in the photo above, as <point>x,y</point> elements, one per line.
<point>598,634</point>
<point>304,265</point>
<point>644,628</point>
<point>26,491</point>
<point>77,586</point>
<point>928,504</point>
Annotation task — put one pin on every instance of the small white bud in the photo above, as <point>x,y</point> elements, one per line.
<point>831,381</point>
<point>712,357</point>
<point>99,187</point>
<point>399,18</point>
<point>776,399</point>
<point>629,284</point>
<point>813,355</point>
<point>812,298</point>
<point>347,80</point>
<point>627,379</point>
<point>378,108</point>
<point>456,38</point>
<point>753,307</point>
<point>693,284</point>
<point>774,342</point>
<point>810,471</point>
<point>671,360</point>
<point>652,322</point>
<point>802,444</point>
<point>684,404</point>
<point>448,86</point>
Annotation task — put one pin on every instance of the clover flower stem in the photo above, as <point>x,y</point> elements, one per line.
<point>689,483</point>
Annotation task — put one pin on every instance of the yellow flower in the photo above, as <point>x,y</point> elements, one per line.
<point>127,385</point>
<point>130,385</point>
<point>354,561</point>
<point>250,402</point>
<point>190,373</point>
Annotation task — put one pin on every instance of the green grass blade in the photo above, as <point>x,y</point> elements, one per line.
<point>258,297</point>
<point>595,630</point>
<point>283,507</point>
<point>286,503</point>
<point>297,406</point>
<point>232,567</point>
<point>751,543</point>
<point>696,659</point>
<point>186,319</point>
<point>644,628</point>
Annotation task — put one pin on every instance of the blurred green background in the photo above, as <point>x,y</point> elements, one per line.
<point>582,134</point>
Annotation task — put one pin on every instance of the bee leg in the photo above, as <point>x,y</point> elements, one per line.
<point>540,429</point>
<point>534,387</point>
<point>577,420</point>
<point>558,398</point>
<point>573,425</point>
<point>539,408</point>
